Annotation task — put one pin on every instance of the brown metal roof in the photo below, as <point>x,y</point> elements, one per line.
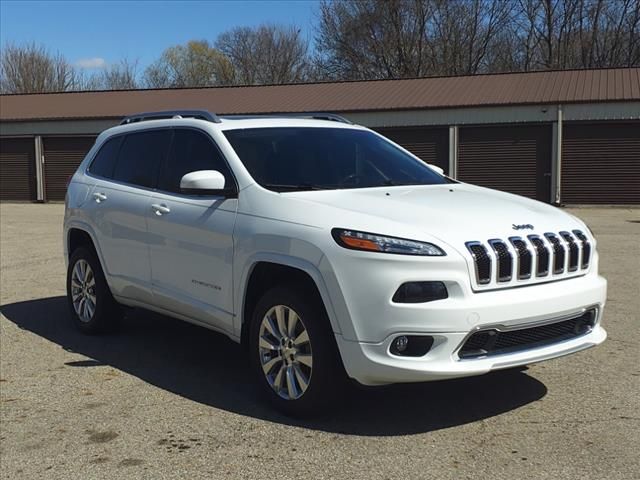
<point>571,86</point>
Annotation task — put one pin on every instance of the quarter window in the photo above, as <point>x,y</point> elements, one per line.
<point>191,151</point>
<point>140,157</point>
<point>105,161</point>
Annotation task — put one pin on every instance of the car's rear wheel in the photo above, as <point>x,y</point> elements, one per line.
<point>294,355</point>
<point>92,307</point>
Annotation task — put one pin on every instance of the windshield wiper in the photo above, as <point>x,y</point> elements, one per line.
<point>292,187</point>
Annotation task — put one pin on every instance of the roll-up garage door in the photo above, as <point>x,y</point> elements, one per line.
<point>429,144</point>
<point>17,169</point>
<point>601,163</point>
<point>514,159</point>
<point>62,155</point>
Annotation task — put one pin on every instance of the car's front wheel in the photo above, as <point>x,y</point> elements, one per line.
<point>294,354</point>
<point>92,307</point>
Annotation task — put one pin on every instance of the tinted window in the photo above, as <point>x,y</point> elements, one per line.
<point>105,161</point>
<point>140,157</point>
<point>191,151</point>
<point>302,158</point>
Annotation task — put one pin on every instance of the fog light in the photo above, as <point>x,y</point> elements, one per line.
<point>411,345</point>
<point>400,344</point>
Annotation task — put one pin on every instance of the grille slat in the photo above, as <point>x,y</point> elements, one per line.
<point>586,248</point>
<point>503,258</point>
<point>558,253</point>
<point>574,250</point>
<point>495,342</point>
<point>482,262</point>
<point>542,252</point>
<point>524,258</point>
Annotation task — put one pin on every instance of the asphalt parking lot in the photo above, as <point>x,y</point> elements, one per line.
<point>164,399</point>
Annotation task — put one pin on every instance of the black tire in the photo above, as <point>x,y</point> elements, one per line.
<point>107,313</point>
<point>328,378</point>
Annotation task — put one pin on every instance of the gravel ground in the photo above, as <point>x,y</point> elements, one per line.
<point>164,399</point>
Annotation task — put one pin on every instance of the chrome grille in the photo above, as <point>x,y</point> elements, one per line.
<point>533,257</point>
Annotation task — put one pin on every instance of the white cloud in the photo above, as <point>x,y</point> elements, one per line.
<point>95,62</point>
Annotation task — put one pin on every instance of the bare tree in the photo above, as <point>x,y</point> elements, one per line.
<point>461,35</point>
<point>195,64</point>
<point>562,34</point>
<point>31,68</point>
<point>120,76</point>
<point>373,38</point>
<point>408,38</point>
<point>360,39</point>
<point>266,54</point>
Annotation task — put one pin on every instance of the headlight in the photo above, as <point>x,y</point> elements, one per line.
<point>372,242</point>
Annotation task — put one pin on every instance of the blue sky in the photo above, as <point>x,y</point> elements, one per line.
<point>97,32</point>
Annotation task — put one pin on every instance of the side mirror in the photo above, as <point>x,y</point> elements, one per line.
<point>436,168</point>
<point>204,182</point>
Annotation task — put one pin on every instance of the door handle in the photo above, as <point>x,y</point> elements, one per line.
<point>160,209</point>
<point>99,197</point>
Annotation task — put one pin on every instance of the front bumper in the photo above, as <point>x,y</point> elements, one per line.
<point>371,363</point>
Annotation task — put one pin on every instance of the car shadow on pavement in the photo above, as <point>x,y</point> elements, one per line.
<point>207,367</point>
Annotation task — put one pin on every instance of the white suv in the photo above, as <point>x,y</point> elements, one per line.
<point>328,251</point>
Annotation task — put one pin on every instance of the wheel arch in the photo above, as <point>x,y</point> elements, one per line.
<point>79,234</point>
<point>265,272</point>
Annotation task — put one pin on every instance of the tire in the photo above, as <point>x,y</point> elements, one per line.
<point>94,309</point>
<point>325,377</point>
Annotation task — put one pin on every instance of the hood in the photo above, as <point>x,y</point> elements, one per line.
<point>452,213</point>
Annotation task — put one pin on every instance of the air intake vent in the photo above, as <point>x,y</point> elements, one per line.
<point>496,341</point>
<point>503,258</point>
<point>574,250</point>
<point>524,257</point>
<point>482,262</point>
<point>558,253</point>
<point>586,248</point>
<point>542,252</point>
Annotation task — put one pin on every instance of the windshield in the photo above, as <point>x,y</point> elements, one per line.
<point>303,158</point>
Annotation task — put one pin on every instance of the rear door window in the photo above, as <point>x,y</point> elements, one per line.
<point>104,162</point>
<point>191,151</point>
<point>140,157</point>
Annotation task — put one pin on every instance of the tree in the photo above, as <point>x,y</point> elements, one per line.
<point>31,68</point>
<point>359,39</point>
<point>196,64</point>
<point>408,38</point>
<point>119,76</point>
<point>266,54</point>
<point>373,38</point>
<point>560,34</point>
<point>462,35</point>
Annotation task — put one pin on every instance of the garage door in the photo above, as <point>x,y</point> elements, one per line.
<point>601,163</point>
<point>430,144</point>
<point>62,155</point>
<point>17,169</point>
<point>515,159</point>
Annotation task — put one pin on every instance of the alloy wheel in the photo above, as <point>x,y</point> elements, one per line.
<point>83,290</point>
<point>285,352</point>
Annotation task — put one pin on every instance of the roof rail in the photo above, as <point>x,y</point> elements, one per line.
<point>311,115</point>
<point>199,114</point>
